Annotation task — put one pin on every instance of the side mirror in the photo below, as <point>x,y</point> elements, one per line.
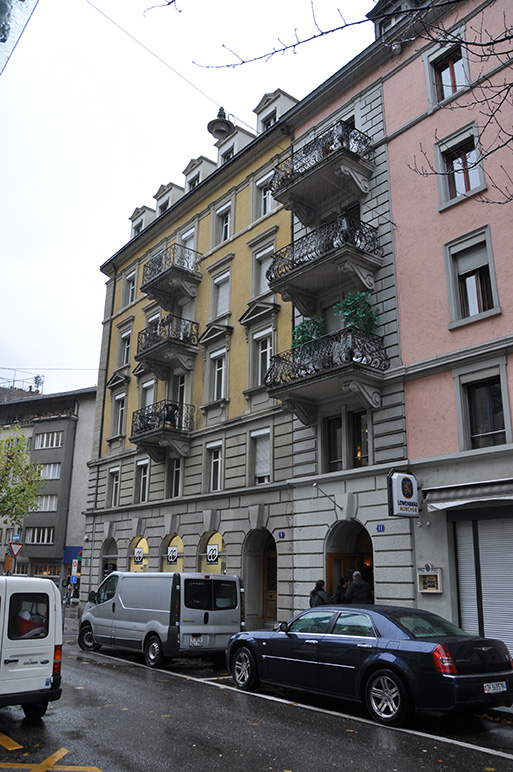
<point>92,597</point>
<point>284,628</point>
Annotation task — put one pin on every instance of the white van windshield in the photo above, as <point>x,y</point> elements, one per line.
<point>210,595</point>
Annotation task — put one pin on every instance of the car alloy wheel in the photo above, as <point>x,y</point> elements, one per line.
<point>386,697</point>
<point>244,669</point>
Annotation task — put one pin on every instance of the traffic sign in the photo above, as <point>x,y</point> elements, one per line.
<point>15,548</point>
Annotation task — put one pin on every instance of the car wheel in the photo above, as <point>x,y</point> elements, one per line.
<point>244,670</point>
<point>153,655</point>
<point>34,710</point>
<point>86,639</point>
<point>386,697</point>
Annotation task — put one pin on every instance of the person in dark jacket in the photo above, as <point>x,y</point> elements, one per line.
<point>358,591</point>
<point>340,592</point>
<point>319,596</point>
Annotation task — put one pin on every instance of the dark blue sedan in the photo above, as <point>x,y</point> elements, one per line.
<point>392,659</point>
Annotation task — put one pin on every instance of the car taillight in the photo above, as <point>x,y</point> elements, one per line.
<point>509,656</point>
<point>443,661</point>
<point>57,660</point>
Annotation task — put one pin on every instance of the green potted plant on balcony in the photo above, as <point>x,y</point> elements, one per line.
<point>357,312</point>
<point>308,330</point>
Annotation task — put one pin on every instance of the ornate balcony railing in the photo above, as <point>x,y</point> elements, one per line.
<point>327,353</point>
<point>163,415</point>
<point>320,242</point>
<point>174,256</point>
<point>167,329</point>
<point>338,136</point>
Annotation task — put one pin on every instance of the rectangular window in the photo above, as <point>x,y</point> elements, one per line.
<point>221,293</point>
<point>119,414</point>
<point>223,223</point>
<point>142,478</point>
<point>124,348</point>
<point>175,477</point>
<point>40,535</point>
<point>48,440</point>
<point>215,467</point>
<point>262,456</point>
<point>218,376</point>
<point>263,261</point>
<point>130,281</point>
<point>461,166</point>
<point>28,615</point>
<point>487,427</point>
<point>263,352</point>
<point>47,503</point>
<point>147,393</point>
<point>359,439</point>
<point>449,74</point>
<point>51,471</point>
<point>333,427</point>
<point>113,489</point>
<point>472,284</point>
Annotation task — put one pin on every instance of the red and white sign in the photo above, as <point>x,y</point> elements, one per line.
<point>16,548</point>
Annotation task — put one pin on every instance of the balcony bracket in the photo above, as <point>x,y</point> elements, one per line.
<point>306,412</point>
<point>362,277</point>
<point>304,301</point>
<point>354,180</point>
<point>302,210</point>
<point>367,394</point>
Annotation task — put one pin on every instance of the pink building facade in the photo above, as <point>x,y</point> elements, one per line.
<point>396,159</point>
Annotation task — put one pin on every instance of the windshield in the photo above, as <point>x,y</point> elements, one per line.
<point>427,625</point>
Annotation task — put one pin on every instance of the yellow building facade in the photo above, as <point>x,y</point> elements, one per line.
<point>191,456</point>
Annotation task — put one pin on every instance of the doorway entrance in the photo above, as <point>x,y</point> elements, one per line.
<point>260,572</point>
<point>349,549</point>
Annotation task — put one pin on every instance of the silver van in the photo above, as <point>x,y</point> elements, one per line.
<point>30,643</point>
<point>164,615</point>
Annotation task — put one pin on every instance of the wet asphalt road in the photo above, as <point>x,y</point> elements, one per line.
<point>117,716</point>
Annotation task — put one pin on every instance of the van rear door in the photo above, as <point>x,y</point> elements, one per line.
<point>28,621</point>
<point>210,612</point>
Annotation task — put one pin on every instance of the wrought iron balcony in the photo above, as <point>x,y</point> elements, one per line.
<point>316,261</point>
<point>336,163</point>
<point>348,361</point>
<point>170,341</point>
<point>173,272</point>
<point>162,429</point>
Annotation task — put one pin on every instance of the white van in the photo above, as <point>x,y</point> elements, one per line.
<point>164,615</point>
<point>30,643</point>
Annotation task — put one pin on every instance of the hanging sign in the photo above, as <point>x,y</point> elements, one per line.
<point>172,555</point>
<point>138,556</point>
<point>212,553</point>
<point>403,499</point>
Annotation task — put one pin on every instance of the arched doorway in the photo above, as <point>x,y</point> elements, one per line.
<point>138,554</point>
<point>212,557</point>
<point>171,553</point>
<point>260,571</point>
<point>349,548</point>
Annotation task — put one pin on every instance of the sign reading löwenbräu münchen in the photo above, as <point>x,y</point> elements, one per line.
<point>403,499</point>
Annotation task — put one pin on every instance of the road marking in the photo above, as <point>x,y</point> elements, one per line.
<point>48,764</point>
<point>11,745</point>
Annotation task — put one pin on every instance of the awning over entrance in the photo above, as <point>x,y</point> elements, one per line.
<point>472,493</point>
<point>71,554</point>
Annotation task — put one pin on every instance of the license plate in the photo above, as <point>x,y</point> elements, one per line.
<point>196,641</point>
<point>498,686</point>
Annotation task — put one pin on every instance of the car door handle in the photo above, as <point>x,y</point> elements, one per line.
<point>311,641</point>
<point>364,646</point>
<point>10,661</point>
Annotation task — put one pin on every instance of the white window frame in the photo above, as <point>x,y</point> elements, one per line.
<point>175,477</point>
<point>222,280</point>
<point>39,535</point>
<point>147,391</point>
<point>262,260</point>
<point>442,149</point>
<point>261,452</point>
<point>477,239</point>
<point>224,224</point>
<point>218,372</point>
<point>48,502</point>
<point>215,466</point>
<point>433,58</point>
<point>119,417</point>
<point>125,344</point>
<point>114,486</point>
<point>46,440</point>
<point>258,338</point>
<point>51,471</point>
<point>130,288</point>
<point>142,481</point>
<point>474,373</point>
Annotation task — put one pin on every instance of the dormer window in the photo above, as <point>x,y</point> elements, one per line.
<point>164,206</point>
<point>138,226</point>
<point>194,182</point>
<point>228,155</point>
<point>269,120</point>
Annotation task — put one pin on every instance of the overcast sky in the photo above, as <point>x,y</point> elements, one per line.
<point>92,123</point>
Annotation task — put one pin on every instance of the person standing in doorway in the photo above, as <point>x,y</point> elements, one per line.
<point>340,592</point>
<point>319,596</point>
<point>358,591</point>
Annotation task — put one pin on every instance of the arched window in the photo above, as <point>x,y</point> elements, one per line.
<point>171,555</point>
<point>109,557</point>
<point>138,554</point>
<point>212,559</point>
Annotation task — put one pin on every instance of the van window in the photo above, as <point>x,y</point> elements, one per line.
<point>28,615</point>
<point>210,595</point>
<point>107,589</point>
